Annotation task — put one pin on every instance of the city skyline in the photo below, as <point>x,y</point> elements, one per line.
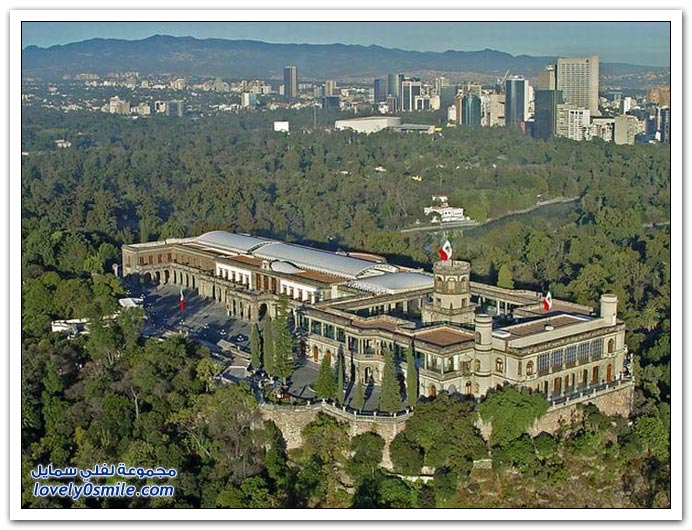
<point>612,41</point>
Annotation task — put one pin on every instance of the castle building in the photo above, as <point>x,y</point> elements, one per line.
<point>467,337</point>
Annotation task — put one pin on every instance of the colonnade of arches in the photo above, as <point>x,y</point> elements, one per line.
<point>165,276</point>
<point>469,389</point>
<point>575,381</point>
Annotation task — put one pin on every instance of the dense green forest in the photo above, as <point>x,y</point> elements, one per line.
<point>114,397</point>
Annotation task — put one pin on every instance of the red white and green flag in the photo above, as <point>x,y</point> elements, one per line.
<point>547,301</point>
<point>445,250</point>
<point>182,300</point>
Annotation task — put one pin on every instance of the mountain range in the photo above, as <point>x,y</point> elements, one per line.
<point>245,59</point>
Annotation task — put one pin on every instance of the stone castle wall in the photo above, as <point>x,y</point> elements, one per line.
<point>292,420</point>
<point>618,401</point>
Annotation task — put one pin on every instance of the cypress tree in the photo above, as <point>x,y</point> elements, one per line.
<point>325,386</point>
<point>339,381</point>
<point>268,345</point>
<point>411,377</point>
<point>284,362</point>
<point>390,397</point>
<point>359,397</point>
<point>256,347</point>
<point>504,277</point>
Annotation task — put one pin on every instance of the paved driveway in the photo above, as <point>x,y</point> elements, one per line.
<point>202,319</point>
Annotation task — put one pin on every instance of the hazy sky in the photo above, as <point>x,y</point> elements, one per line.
<point>646,43</point>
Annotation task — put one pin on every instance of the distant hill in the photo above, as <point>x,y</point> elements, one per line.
<point>243,59</point>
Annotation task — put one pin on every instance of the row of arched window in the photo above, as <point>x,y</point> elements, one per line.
<point>570,355</point>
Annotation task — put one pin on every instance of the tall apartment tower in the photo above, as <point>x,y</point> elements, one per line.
<point>470,110</point>
<point>394,84</point>
<point>410,89</point>
<point>380,89</point>
<point>665,125</point>
<point>546,100</point>
<point>547,79</point>
<point>577,78</point>
<point>291,82</point>
<point>329,88</point>
<point>516,92</point>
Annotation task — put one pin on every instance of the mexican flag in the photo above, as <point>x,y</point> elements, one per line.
<point>445,251</point>
<point>547,302</point>
<point>182,300</point>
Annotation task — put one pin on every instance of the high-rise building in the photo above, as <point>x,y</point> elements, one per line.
<point>573,122</point>
<point>626,104</point>
<point>380,86</point>
<point>447,95</point>
<point>577,77</point>
<point>392,103</point>
<point>493,110</point>
<point>291,82</point>
<point>603,128</point>
<point>471,110</point>
<point>329,88</point>
<point>473,88</point>
<point>422,103</point>
<point>394,84</point>
<point>179,84</point>
<point>546,79</point>
<point>440,83</point>
<point>659,95</point>
<point>175,107</point>
<point>330,102</point>
<point>545,115</point>
<point>410,88</point>
<point>516,92</point>
<point>665,125</point>
<point>248,99</point>
<point>118,106</point>
<point>452,113</point>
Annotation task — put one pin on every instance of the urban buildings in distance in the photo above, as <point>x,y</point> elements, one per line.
<point>564,100</point>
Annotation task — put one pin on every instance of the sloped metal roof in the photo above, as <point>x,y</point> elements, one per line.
<point>320,260</point>
<point>240,243</point>
<point>394,282</point>
<point>286,268</point>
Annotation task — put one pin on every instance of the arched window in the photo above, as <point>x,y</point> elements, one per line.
<point>478,365</point>
<point>611,346</point>
<point>529,368</point>
<point>468,388</point>
<point>499,365</point>
<point>478,337</point>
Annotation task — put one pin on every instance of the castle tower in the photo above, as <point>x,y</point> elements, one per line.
<point>451,297</point>
<point>609,308</point>
<point>483,345</point>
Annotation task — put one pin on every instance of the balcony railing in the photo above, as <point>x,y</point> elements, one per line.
<point>582,391</point>
<point>436,374</point>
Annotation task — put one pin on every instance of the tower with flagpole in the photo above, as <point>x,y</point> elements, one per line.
<point>451,296</point>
